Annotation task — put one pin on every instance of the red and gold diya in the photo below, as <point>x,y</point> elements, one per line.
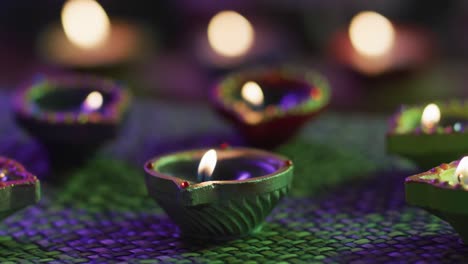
<point>71,115</point>
<point>269,105</point>
<point>18,187</point>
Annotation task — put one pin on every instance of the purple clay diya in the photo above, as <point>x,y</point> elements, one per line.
<point>269,106</point>
<point>443,191</point>
<point>18,187</point>
<point>71,115</point>
<point>219,194</point>
<point>430,134</point>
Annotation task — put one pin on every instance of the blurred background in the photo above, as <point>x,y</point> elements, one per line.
<point>176,61</point>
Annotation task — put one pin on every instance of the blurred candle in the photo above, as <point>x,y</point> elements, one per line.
<point>430,117</point>
<point>373,45</point>
<point>230,34</point>
<point>371,34</point>
<point>87,39</point>
<point>252,93</point>
<point>85,23</point>
<point>461,173</point>
<point>230,40</point>
<point>92,102</point>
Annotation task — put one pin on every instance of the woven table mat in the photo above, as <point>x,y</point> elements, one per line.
<point>347,203</point>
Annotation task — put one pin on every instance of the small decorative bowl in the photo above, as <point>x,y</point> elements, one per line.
<point>18,187</point>
<point>292,96</point>
<point>448,141</point>
<point>437,192</point>
<point>52,110</point>
<point>245,187</point>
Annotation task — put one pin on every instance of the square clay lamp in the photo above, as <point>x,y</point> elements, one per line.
<point>18,187</point>
<point>443,191</point>
<point>431,134</point>
<point>71,115</point>
<point>228,196</point>
<point>269,105</point>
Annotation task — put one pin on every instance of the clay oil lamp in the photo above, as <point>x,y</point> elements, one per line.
<point>442,191</point>
<point>268,106</point>
<point>431,134</point>
<point>18,187</point>
<point>71,115</point>
<point>219,194</point>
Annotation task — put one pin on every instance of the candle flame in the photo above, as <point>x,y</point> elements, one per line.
<point>207,163</point>
<point>230,34</point>
<point>3,175</point>
<point>252,93</point>
<point>462,169</point>
<point>85,23</point>
<point>371,34</point>
<point>93,101</point>
<point>430,116</point>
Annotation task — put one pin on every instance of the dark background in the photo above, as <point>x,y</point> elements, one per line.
<point>305,26</point>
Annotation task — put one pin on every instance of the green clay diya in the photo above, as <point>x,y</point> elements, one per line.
<point>429,135</point>
<point>269,105</point>
<point>228,196</point>
<point>18,187</point>
<point>71,115</point>
<point>443,191</point>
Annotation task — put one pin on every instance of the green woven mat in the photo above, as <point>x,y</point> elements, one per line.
<point>347,204</point>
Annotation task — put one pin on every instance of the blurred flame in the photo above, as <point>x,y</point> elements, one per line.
<point>3,175</point>
<point>252,93</point>
<point>462,169</point>
<point>207,163</point>
<point>85,23</point>
<point>230,34</point>
<point>430,116</point>
<point>93,101</point>
<point>371,34</point>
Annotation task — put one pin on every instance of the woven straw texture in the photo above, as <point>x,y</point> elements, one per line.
<point>347,203</point>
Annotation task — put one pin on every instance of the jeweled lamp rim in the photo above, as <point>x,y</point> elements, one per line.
<point>23,105</point>
<point>313,78</point>
<point>150,166</point>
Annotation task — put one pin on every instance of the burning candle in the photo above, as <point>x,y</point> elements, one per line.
<point>430,117</point>
<point>220,200</point>
<point>71,112</point>
<point>429,134</point>
<point>373,45</point>
<point>85,23</point>
<point>461,172</point>
<point>93,102</point>
<point>88,40</point>
<point>231,40</point>
<point>18,187</point>
<point>262,102</point>
<point>230,34</point>
<point>371,34</point>
<point>207,165</point>
<point>252,93</point>
<point>442,191</point>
